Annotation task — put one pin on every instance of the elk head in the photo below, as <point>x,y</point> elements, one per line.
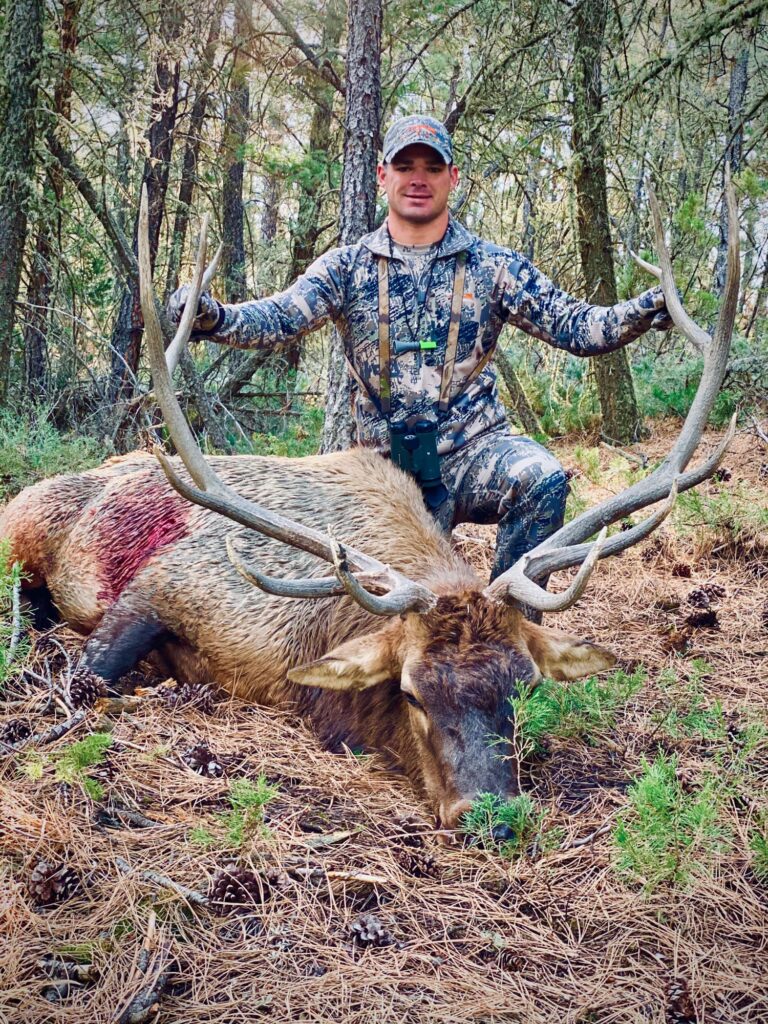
<point>452,652</point>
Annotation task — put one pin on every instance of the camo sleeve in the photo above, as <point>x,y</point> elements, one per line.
<point>529,300</point>
<point>314,298</point>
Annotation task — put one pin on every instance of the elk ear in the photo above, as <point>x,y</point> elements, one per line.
<point>354,665</point>
<point>562,656</point>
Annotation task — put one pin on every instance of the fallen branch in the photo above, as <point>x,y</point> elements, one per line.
<point>759,430</point>
<point>53,734</point>
<point>16,628</point>
<point>191,895</point>
<point>638,460</point>
<point>586,840</point>
<point>344,876</point>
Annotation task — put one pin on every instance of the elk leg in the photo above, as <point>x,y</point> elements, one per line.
<point>125,635</point>
<point>38,603</point>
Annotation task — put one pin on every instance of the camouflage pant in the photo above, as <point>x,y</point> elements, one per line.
<point>513,481</point>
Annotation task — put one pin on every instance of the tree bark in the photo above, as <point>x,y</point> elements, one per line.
<point>521,407</point>
<point>22,48</point>
<point>190,157</point>
<point>129,328</point>
<point>362,128</point>
<point>235,136</point>
<point>41,276</point>
<point>737,91</point>
<point>308,225</point>
<point>621,417</point>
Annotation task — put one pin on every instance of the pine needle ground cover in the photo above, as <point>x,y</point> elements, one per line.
<point>182,857</point>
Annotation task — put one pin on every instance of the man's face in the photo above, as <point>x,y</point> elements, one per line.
<point>417,183</point>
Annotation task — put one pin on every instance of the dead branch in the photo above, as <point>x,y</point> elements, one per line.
<point>637,460</point>
<point>190,895</point>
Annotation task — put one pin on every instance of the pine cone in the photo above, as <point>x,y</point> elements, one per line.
<point>200,696</point>
<point>85,688</point>
<point>764,471</point>
<point>681,569</point>
<point>418,863</point>
<point>714,591</point>
<point>202,760</point>
<point>14,731</point>
<point>703,620</point>
<point>721,475</point>
<point>678,640</point>
<point>625,524</point>
<point>698,598</point>
<point>51,884</point>
<point>413,828</point>
<point>368,930</point>
<point>680,1008</point>
<point>234,888</point>
<point>278,879</point>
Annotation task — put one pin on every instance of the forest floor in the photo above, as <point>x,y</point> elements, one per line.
<point>353,910</point>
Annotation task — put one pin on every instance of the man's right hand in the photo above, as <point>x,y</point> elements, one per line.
<point>208,310</point>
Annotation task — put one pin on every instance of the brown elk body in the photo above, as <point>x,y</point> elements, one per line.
<point>130,562</point>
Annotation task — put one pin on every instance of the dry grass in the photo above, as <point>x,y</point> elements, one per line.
<point>556,936</point>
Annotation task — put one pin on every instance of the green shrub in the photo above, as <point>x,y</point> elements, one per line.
<point>32,449</point>
<point>571,709</point>
<point>758,844</point>
<point>13,644</point>
<point>666,833</point>
<point>234,828</point>
<point>732,512</point>
<point>72,763</point>
<point>489,811</point>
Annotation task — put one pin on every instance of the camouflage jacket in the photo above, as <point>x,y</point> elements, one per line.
<point>501,287</point>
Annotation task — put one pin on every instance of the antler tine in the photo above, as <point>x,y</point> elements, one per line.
<point>565,548</point>
<point>177,425</point>
<point>199,285</point>
<point>407,595</point>
<point>324,586</point>
<point>687,327</point>
<point>210,491</point>
<point>519,587</point>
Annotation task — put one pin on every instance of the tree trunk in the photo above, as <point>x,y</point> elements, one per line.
<point>308,225</point>
<point>521,407</point>
<point>22,48</point>
<point>733,153</point>
<point>271,211</point>
<point>235,136</point>
<point>190,157</point>
<point>362,128</point>
<point>41,276</point>
<point>129,328</point>
<point>621,418</point>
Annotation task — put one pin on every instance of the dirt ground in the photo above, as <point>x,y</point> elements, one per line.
<point>358,913</point>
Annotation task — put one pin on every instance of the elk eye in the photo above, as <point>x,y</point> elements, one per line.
<point>412,700</point>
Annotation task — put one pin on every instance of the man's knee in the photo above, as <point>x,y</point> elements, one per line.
<point>538,483</point>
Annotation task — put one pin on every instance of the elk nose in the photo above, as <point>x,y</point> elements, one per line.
<point>502,833</point>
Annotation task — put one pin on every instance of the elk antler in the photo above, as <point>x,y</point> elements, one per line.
<point>566,547</point>
<point>212,493</point>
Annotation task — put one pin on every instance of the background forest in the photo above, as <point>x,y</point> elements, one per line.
<point>267,115</point>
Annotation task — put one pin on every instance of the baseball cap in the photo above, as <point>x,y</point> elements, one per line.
<point>408,130</point>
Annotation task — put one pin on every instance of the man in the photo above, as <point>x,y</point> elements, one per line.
<point>420,303</point>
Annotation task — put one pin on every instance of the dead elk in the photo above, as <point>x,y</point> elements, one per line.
<point>400,647</point>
